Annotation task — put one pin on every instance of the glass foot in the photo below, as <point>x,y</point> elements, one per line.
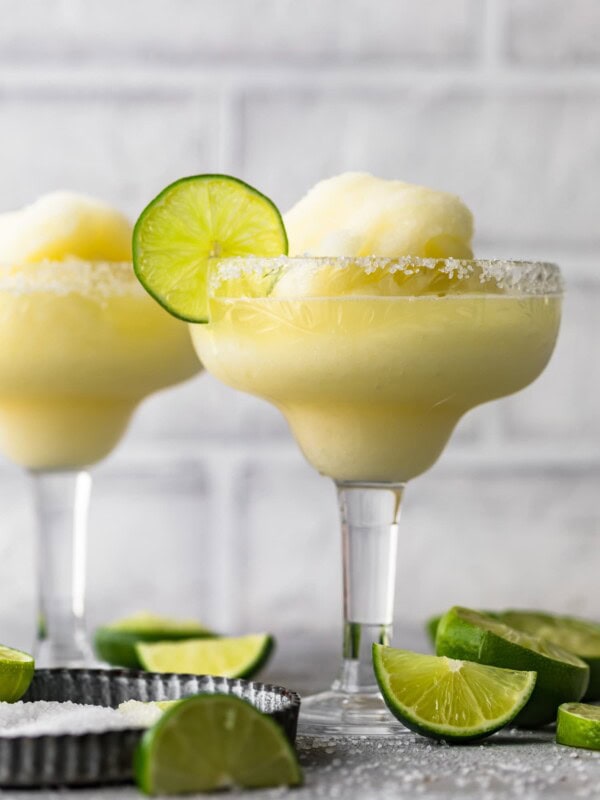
<point>335,713</point>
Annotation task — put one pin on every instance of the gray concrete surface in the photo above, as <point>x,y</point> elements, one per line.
<point>508,766</point>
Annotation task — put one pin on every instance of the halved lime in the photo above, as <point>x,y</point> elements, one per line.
<point>444,698</point>
<point>190,222</point>
<point>578,725</point>
<point>473,636</point>
<point>115,643</point>
<point>230,657</point>
<point>16,673</point>
<point>211,742</point>
<point>579,636</point>
<point>431,625</point>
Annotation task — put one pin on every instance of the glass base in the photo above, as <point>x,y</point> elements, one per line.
<point>335,713</point>
<point>49,654</point>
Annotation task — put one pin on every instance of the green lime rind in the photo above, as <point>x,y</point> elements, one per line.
<point>227,656</point>
<point>578,725</point>
<point>16,673</point>
<point>579,636</point>
<point>431,624</point>
<point>116,643</point>
<point>211,742</point>
<point>443,698</point>
<point>192,221</point>
<point>473,636</point>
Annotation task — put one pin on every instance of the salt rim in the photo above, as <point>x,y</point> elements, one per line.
<point>71,276</point>
<point>510,275</point>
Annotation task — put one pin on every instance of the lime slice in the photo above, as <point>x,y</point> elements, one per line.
<point>578,725</point>
<point>444,698</point>
<point>473,636</point>
<point>577,635</point>
<point>190,222</point>
<point>230,657</point>
<point>211,742</point>
<point>115,643</point>
<point>16,672</point>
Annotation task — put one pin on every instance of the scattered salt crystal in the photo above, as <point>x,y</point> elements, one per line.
<point>43,718</point>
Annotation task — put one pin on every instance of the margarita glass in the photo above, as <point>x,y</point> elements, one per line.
<point>373,361</point>
<point>82,345</point>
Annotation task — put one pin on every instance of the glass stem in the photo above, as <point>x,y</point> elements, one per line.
<point>369,517</point>
<point>62,503</point>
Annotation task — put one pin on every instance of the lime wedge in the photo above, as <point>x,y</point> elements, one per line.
<point>190,222</point>
<point>16,673</point>
<point>230,657</point>
<point>211,742</point>
<point>578,725</point>
<point>448,699</point>
<point>473,636</point>
<point>115,643</point>
<point>577,635</point>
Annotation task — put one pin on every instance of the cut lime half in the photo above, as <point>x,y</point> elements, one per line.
<point>578,725</point>
<point>115,643</point>
<point>579,636</point>
<point>16,673</point>
<point>229,657</point>
<point>211,742</point>
<point>473,636</point>
<point>449,699</point>
<point>190,222</point>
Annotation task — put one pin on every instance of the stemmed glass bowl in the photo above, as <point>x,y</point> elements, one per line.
<point>373,361</point>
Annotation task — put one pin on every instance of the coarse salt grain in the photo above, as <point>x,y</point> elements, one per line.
<point>45,718</point>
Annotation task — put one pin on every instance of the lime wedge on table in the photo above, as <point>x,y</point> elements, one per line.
<point>230,657</point>
<point>211,742</point>
<point>448,699</point>
<point>473,636</point>
<point>16,672</point>
<point>190,222</point>
<point>578,725</point>
<point>579,636</point>
<point>115,643</point>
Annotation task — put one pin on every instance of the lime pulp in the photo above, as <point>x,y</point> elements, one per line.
<point>449,699</point>
<point>230,657</point>
<point>211,742</point>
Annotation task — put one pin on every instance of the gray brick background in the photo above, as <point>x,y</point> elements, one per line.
<point>207,508</point>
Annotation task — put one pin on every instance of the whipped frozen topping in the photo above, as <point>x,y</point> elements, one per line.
<point>357,214</point>
<point>64,226</point>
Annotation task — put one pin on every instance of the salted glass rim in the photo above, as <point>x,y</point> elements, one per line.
<point>512,276</point>
<point>70,275</point>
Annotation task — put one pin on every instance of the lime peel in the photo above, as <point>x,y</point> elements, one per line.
<point>210,742</point>
<point>578,725</point>
<point>229,657</point>
<point>450,699</point>
<point>562,677</point>
<point>16,673</point>
<point>192,221</point>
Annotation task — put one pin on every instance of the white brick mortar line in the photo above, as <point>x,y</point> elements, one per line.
<point>349,79</point>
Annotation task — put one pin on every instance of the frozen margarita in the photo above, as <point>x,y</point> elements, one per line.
<point>82,343</point>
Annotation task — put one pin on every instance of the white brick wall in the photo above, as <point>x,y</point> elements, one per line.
<point>207,507</point>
